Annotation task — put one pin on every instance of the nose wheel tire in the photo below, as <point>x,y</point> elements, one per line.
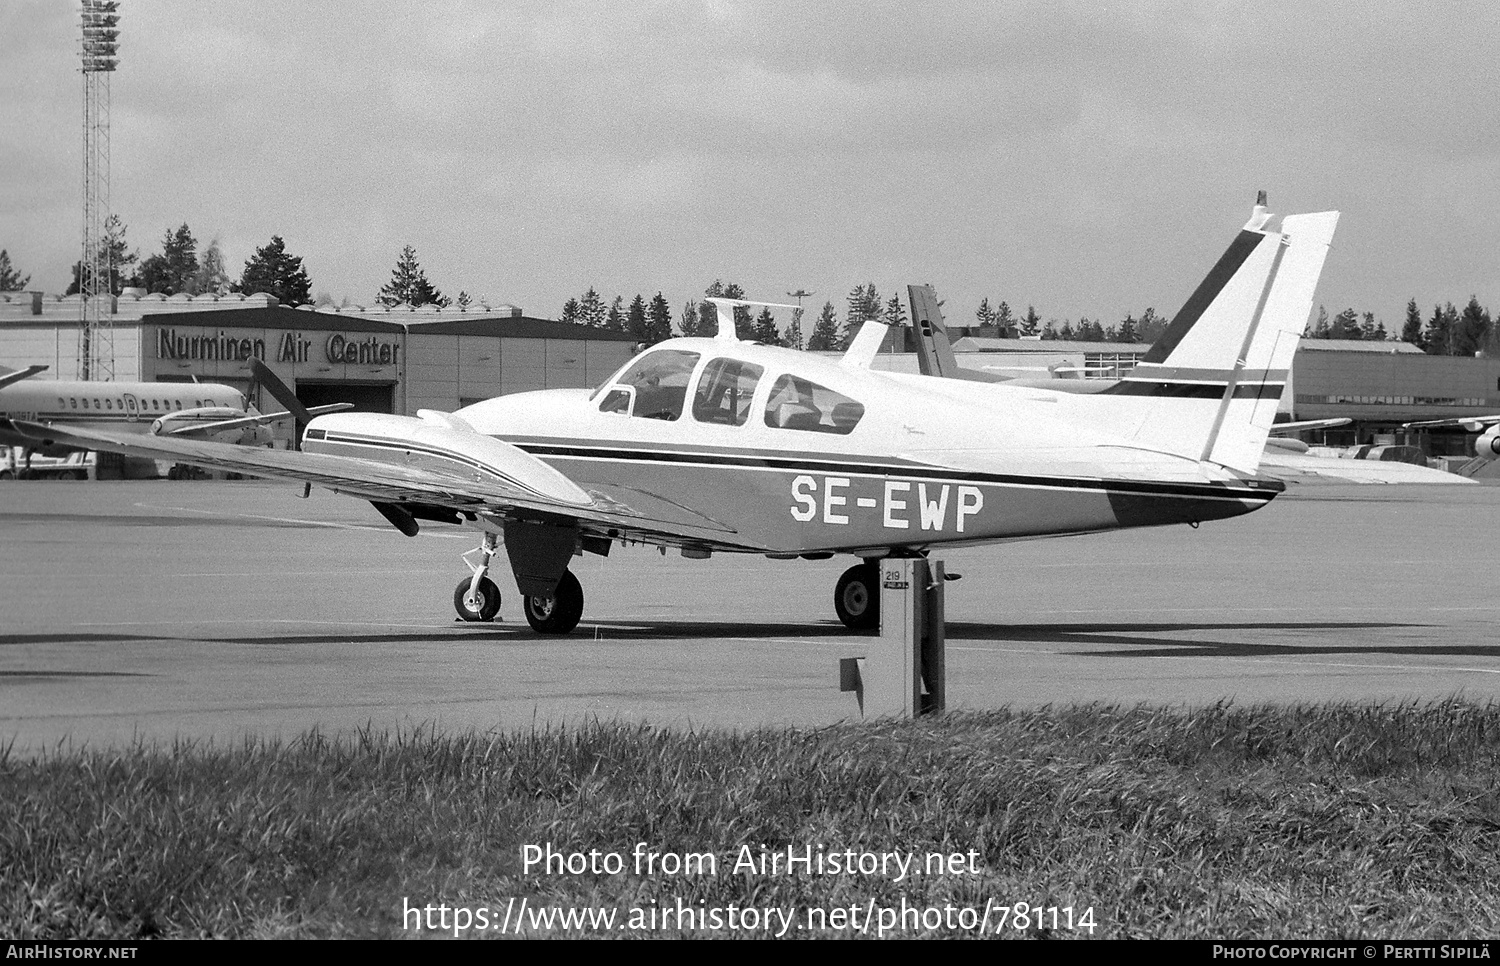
<point>559,613</point>
<point>482,605</point>
<point>856,598</point>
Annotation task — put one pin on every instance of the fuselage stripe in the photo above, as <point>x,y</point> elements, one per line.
<point>1263,490</point>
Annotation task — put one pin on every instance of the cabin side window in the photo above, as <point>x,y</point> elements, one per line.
<point>724,392</point>
<point>657,385</point>
<point>801,404</point>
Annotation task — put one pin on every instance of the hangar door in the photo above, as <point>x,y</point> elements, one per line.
<point>377,398</point>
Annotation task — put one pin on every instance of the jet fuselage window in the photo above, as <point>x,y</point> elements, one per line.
<point>660,382</point>
<point>801,404</point>
<point>724,392</point>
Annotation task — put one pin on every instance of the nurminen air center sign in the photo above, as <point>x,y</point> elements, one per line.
<point>290,347</point>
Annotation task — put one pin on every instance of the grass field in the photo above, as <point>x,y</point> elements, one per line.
<point>1225,822</point>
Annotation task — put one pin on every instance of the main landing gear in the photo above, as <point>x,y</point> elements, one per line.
<point>477,599</point>
<point>856,597</point>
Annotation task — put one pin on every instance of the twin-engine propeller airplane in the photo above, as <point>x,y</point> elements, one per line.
<point>716,445</point>
<point>189,409</point>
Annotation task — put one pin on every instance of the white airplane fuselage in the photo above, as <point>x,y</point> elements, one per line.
<point>919,468</point>
<point>121,407</point>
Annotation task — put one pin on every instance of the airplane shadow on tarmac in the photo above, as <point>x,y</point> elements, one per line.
<point>1141,639</point>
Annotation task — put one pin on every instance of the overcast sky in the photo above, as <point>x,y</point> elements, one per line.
<point>1089,159</point>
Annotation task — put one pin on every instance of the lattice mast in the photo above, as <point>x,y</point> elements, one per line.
<point>96,344</point>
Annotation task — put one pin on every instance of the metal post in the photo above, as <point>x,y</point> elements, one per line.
<point>904,671</point>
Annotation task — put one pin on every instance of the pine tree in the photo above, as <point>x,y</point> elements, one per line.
<point>409,285</point>
<point>1031,325</point>
<point>766,330</point>
<point>984,315</point>
<point>463,300</point>
<point>172,269</point>
<point>658,320</point>
<point>1345,326</point>
<point>825,334</point>
<point>635,320</point>
<point>615,319</point>
<point>570,312</point>
<point>1372,329</point>
<point>1005,321</point>
<point>1473,329</point>
<point>895,312</point>
<point>1321,328</point>
<point>273,270</point>
<point>121,259</point>
<point>591,309</point>
<point>1412,330</point>
<point>1439,330</point>
<point>1150,326</point>
<point>1128,330</point>
<point>864,305</point>
<point>691,318</point>
<point>211,278</point>
<point>11,279</point>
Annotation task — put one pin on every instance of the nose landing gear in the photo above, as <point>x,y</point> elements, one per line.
<point>478,599</point>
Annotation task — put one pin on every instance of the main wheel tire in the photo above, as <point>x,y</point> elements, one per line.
<point>482,606</point>
<point>856,598</point>
<point>559,613</point>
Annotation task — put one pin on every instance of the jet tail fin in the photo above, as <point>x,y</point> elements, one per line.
<point>934,348</point>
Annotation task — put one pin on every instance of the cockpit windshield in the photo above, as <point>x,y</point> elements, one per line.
<point>653,387</point>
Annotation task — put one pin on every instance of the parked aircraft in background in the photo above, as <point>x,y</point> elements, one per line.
<point>200,410</point>
<point>712,445</point>
<point>1486,447</point>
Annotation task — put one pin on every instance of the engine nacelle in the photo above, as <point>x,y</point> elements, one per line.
<point>1487,446</point>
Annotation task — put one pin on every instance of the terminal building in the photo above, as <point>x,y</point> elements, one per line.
<point>402,359</point>
<point>390,360</point>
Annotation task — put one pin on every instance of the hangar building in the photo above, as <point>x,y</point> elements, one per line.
<point>393,360</point>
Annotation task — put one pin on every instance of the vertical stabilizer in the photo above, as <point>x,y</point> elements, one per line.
<point>1209,387</point>
<point>1254,390</point>
<point>934,350</point>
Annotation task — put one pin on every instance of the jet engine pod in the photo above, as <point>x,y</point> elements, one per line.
<point>1487,447</point>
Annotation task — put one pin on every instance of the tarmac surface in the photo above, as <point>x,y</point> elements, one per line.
<point>209,611</point>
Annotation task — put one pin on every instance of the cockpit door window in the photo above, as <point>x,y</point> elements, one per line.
<point>724,392</point>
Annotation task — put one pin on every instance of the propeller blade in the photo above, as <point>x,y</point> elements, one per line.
<point>273,384</point>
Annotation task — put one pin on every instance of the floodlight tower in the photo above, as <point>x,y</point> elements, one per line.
<point>96,344</point>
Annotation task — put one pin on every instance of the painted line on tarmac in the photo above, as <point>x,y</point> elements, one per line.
<point>1433,668</point>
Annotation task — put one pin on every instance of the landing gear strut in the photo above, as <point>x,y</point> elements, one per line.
<point>478,599</point>
<point>856,597</point>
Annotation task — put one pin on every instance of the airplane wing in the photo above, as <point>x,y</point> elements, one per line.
<point>1300,468</point>
<point>1298,427</point>
<point>10,378</point>
<point>260,419</point>
<point>507,482</point>
<point>1471,423</point>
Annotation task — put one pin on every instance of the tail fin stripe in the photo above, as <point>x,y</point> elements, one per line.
<point>1239,250</point>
